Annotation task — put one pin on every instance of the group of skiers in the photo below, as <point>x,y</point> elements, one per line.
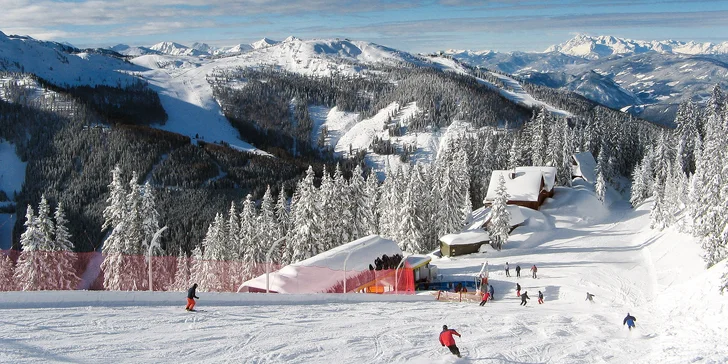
<point>534,271</point>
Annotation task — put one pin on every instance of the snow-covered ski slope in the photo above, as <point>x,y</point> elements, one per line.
<point>577,244</point>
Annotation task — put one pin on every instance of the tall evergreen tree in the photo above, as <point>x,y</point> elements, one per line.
<point>500,219</point>
<point>7,283</point>
<point>306,235</point>
<point>31,269</point>
<point>182,273</point>
<point>65,259</point>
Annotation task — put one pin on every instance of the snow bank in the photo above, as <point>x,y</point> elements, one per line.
<point>55,299</point>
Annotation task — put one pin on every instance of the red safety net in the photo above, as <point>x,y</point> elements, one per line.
<point>95,271</point>
<point>42,270</point>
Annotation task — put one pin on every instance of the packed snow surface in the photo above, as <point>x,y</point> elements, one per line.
<point>578,244</point>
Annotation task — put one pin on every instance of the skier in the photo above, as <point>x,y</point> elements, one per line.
<point>589,297</point>
<point>534,270</point>
<point>518,271</point>
<point>629,321</point>
<point>508,273</point>
<point>446,339</point>
<point>486,296</point>
<point>540,297</point>
<point>518,290</point>
<point>524,297</point>
<point>492,292</point>
<point>191,295</point>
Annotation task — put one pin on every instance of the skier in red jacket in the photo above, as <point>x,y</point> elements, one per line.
<point>446,339</point>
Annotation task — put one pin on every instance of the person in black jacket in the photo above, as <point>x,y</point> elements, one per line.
<point>524,297</point>
<point>191,295</point>
<point>518,271</point>
<point>629,321</point>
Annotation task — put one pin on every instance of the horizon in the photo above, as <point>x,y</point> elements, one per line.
<point>413,26</point>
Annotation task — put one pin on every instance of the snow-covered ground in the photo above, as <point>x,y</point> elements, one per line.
<point>578,245</point>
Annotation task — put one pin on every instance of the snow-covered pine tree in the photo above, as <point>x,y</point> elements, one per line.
<point>116,202</point>
<point>135,247</point>
<point>232,240</point>
<point>306,235</point>
<point>45,225</point>
<point>409,232</point>
<point>500,219</point>
<point>150,216</point>
<point>345,206</point>
<point>283,216</point>
<point>638,186</point>
<point>252,253</point>
<point>214,271</point>
<point>386,206</point>
<point>330,207</point>
<point>66,259</point>
<point>369,214</point>
<point>182,273</point>
<point>600,187</point>
<point>358,204</point>
<point>200,271</point>
<point>268,228</point>
<point>7,283</point>
<point>538,135</point>
<point>31,266</point>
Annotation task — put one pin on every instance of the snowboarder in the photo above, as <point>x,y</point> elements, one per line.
<point>540,297</point>
<point>518,271</point>
<point>629,321</point>
<point>492,292</point>
<point>446,339</point>
<point>486,296</point>
<point>518,290</point>
<point>524,297</point>
<point>589,297</point>
<point>191,295</point>
<point>534,270</point>
<point>508,273</point>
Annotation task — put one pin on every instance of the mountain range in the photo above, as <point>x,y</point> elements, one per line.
<point>646,78</point>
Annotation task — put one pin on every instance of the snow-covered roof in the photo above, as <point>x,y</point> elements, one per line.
<point>323,271</point>
<point>466,237</point>
<point>417,260</point>
<point>525,186</point>
<point>482,215</point>
<point>585,166</point>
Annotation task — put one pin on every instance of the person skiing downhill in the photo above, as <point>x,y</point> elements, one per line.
<point>492,292</point>
<point>589,297</point>
<point>540,297</point>
<point>518,271</point>
<point>508,273</point>
<point>486,297</point>
<point>518,290</point>
<point>191,295</point>
<point>629,321</point>
<point>524,297</point>
<point>446,339</point>
<point>534,270</point>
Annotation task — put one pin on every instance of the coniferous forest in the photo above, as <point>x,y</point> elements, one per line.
<point>94,150</point>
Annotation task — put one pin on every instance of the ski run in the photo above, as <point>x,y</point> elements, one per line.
<point>578,244</point>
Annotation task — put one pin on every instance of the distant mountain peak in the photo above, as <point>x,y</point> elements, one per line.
<point>265,42</point>
<point>291,38</point>
<point>176,49</point>
<point>596,47</point>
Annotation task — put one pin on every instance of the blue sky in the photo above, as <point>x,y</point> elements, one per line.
<point>415,26</point>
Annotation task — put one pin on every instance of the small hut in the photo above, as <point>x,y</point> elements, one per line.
<point>464,242</point>
<point>526,186</point>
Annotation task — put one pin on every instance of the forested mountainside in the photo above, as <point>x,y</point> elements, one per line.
<point>79,133</point>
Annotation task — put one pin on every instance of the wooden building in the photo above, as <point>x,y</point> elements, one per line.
<point>526,186</point>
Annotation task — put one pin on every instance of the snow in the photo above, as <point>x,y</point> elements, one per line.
<point>526,186</point>
<point>482,215</point>
<point>316,274</point>
<point>585,166</point>
<point>466,237</point>
<point>578,244</point>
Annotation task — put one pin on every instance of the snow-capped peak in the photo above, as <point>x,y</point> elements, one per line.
<point>595,47</point>
<point>291,39</point>
<point>175,49</point>
<point>265,42</point>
